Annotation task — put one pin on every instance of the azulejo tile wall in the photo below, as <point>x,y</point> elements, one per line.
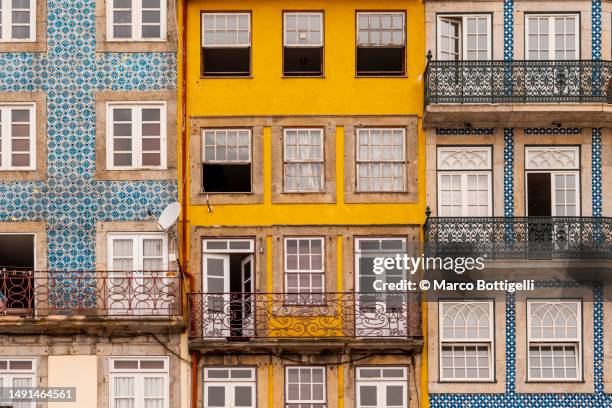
<point>70,200</point>
<point>597,398</point>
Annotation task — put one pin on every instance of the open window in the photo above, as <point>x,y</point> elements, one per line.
<point>381,44</point>
<point>303,44</point>
<point>464,37</point>
<point>226,161</point>
<point>226,44</point>
<point>16,273</point>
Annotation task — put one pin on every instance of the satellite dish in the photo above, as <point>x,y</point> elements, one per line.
<point>169,216</point>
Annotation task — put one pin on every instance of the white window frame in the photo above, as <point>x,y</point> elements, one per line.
<point>7,24</point>
<point>139,376</point>
<point>297,14</point>
<point>226,161</point>
<point>369,29</point>
<point>311,161</point>
<point>137,246</point>
<point>305,403</point>
<point>137,138</point>
<point>230,384</point>
<point>311,271</point>
<point>575,342</point>
<point>8,376</point>
<point>489,342</point>
<point>461,20</point>
<point>360,253</point>
<point>136,23</point>
<point>381,384</point>
<point>6,136</point>
<point>464,191</point>
<point>551,33</point>
<point>237,44</point>
<point>359,161</point>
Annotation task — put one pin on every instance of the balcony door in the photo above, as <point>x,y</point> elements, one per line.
<point>16,273</point>
<point>227,286</point>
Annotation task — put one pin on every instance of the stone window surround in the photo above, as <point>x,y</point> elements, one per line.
<point>167,45</point>
<point>607,339</point>
<point>498,384</point>
<point>101,100</point>
<point>39,99</point>
<point>39,229</point>
<point>40,42</point>
<point>583,386</point>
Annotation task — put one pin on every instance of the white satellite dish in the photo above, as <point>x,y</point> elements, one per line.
<point>169,216</point>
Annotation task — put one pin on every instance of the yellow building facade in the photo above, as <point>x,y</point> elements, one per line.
<point>303,158</point>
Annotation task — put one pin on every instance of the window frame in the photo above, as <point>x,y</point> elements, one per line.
<point>136,24</point>
<point>320,46</point>
<point>403,161</point>
<point>204,161</point>
<point>463,33</point>
<point>490,343</point>
<point>248,13</point>
<point>137,137</point>
<point>6,23</point>
<point>138,374</point>
<point>381,382</point>
<point>551,34</point>
<point>6,138</point>
<point>287,161</point>
<point>551,342</point>
<point>137,239</point>
<point>229,383</point>
<point>311,402</point>
<point>301,296</point>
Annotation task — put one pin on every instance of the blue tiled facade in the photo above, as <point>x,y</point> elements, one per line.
<point>70,200</point>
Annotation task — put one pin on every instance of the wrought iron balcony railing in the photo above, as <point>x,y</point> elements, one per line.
<point>290,316</point>
<point>518,81</point>
<point>520,237</point>
<point>90,293</point>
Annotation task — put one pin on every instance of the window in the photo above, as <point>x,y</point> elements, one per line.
<point>303,160</point>
<point>305,387</point>
<point>18,373</point>
<point>226,44</point>
<point>303,44</point>
<point>17,20</point>
<point>136,20</point>
<point>227,161</point>
<point>305,268</point>
<point>464,37</point>
<point>381,387</point>
<point>139,382</point>
<point>466,341</point>
<point>554,336</point>
<point>136,136</point>
<point>17,130</point>
<point>381,43</point>
<point>464,181</point>
<point>229,387</point>
<point>138,252</point>
<point>552,37</point>
<point>381,160</point>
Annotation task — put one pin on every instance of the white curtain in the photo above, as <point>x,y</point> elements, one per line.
<point>124,392</point>
<point>123,254</point>
<point>154,392</point>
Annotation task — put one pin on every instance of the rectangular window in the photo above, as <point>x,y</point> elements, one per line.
<point>303,154</point>
<point>381,387</point>
<point>305,387</point>
<point>17,137</point>
<point>139,382</point>
<point>464,37</point>
<point>381,160</point>
<point>466,341</point>
<point>554,336</point>
<point>552,37</point>
<point>381,43</point>
<point>18,373</point>
<point>303,44</point>
<point>138,252</point>
<point>229,387</point>
<point>227,161</point>
<point>17,20</point>
<point>226,44</point>
<point>136,20</point>
<point>305,269</point>
<point>136,136</point>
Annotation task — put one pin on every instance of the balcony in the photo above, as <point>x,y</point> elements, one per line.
<point>584,239</point>
<point>76,301</point>
<point>518,93</point>
<point>256,321</point>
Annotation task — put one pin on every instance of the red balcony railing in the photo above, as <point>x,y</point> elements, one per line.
<point>290,315</point>
<point>90,293</point>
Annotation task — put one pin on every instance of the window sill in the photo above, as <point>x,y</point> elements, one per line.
<point>380,198</point>
<point>22,175</point>
<point>39,45</point>
<point>250,76</point>
<point>136,46</point>
<point>306,197</point>
<point>212,199</point>
<point>136,174</point>
<point>303,76</point>
<point>358,76</point>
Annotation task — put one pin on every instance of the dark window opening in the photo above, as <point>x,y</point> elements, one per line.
<point>16,273</point>
<point>384,61</point>
<point>303,61</point>
<point>226,61</point>
<point>226,178</point>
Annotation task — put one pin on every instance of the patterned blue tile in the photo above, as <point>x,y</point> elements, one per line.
<point>508,172</point>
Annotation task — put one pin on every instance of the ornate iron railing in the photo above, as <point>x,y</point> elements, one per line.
<point>519,237</point>
<point>90,293</point>
<point>287,315</point>
<point>518,81</point>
